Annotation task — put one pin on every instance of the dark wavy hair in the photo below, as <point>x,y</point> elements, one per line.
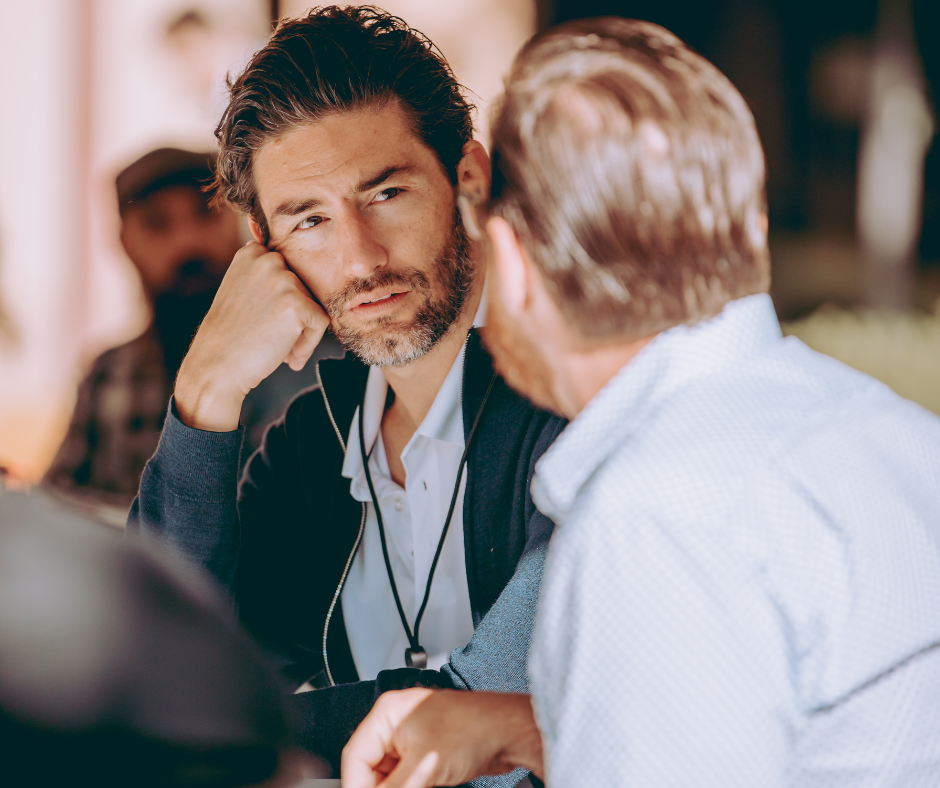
<point>337,60</point>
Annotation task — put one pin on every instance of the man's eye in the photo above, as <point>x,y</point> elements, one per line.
<point>310,221</point>
<point>386,194</point>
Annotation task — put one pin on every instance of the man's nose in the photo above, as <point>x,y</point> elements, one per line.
<point>361,250</point>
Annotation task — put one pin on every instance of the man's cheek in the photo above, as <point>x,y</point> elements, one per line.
<point>317,288</point>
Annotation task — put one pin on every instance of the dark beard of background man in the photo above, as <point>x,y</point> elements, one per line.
<point>179,310</point>
<point>389,344</point>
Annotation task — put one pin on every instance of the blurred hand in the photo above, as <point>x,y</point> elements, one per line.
<point>262,316</point>
<point>420,738</point>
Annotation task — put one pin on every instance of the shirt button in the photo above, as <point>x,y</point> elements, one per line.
<point>399,504</point>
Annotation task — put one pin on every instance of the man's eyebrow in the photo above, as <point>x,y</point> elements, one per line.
<point>294,207</point>
<point>386,174</point>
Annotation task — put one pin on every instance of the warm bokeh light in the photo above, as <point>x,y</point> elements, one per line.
<point>479,38</point>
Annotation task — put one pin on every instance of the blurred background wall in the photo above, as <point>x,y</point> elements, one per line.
<point>90,85</point>
<point>844,94</point>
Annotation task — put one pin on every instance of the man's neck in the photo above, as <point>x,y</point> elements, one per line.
<point>417,384</point>
<point>579,374</point>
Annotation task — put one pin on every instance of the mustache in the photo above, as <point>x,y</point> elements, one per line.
<point>413,279</point>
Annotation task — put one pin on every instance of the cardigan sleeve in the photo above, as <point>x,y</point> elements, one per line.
<point>188,494</point>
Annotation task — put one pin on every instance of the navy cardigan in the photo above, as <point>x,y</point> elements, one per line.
<point>281,547</point>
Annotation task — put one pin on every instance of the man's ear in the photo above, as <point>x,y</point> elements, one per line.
<point>473,173</point>
<point>255,230</point>
<point>509,266</point>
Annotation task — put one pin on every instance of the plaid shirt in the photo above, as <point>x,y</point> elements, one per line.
<point>119,417</point>
<point>116,425</point>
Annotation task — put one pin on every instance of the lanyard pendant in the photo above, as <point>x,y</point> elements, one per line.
<point>416,657</point>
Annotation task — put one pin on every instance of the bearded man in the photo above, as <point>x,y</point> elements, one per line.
<point>383,536</point>
<point>743,586</point>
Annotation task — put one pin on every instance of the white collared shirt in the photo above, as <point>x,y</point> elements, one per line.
<point>413,519</point>
<point>743,586</point>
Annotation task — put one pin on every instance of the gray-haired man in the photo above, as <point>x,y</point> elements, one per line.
<point>743,588</point>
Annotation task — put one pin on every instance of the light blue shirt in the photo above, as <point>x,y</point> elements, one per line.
<point>743,587</point>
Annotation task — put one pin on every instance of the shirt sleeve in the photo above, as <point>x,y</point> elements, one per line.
<point>654,663</point>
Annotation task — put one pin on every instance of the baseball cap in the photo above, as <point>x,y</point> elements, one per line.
<point>161,169</point>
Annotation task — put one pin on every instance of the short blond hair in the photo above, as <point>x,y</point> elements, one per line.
<point>631,170</point>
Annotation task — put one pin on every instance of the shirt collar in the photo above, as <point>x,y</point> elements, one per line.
<point>443,422</point>
<point>671,361</point>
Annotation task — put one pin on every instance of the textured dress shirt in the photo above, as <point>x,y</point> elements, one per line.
<point>414,518</point>
<point>743,587</point>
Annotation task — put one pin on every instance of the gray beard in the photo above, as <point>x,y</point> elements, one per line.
<point>394,344</point>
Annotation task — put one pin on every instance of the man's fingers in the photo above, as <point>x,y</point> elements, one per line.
<point>251,252</point>
<point>386,765</point>
<point>359,773</point>
<point>306,343</point>
<point>415,770</point>
<point>262,316</point>
<point>371,751</point>
<point>369,748</point>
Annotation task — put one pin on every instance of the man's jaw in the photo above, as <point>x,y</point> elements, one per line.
<point>518,359</point>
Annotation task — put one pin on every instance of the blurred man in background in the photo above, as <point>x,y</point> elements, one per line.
<point>743,587</point>
<point>181,247</point>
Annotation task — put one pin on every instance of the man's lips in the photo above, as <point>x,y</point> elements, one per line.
<point>377,300</point>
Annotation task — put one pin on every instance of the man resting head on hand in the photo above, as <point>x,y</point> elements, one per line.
<point>383,536</point>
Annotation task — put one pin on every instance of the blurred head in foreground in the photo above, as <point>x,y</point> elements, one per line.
<point>628,171</point>
<point>116,669</point>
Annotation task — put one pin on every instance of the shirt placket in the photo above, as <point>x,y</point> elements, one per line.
<point>431,491</point>
<point>412,459</point>
<point>397,516</point>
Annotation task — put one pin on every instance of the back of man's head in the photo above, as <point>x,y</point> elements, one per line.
<point>631,170</point>
<point>337,60</point>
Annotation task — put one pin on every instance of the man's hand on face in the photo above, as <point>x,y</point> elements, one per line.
<point>262,316</point>
<point>421,738</point>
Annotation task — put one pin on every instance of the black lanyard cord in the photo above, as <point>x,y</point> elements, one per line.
<point>416,656</point>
